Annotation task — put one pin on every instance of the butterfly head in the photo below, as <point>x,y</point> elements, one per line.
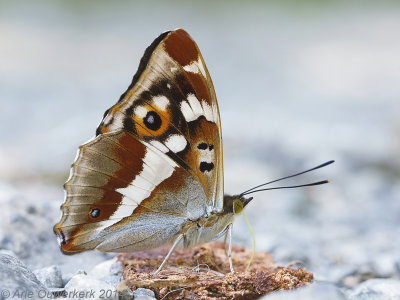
<point>235,204</point>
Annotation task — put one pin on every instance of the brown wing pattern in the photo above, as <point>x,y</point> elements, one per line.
<point>114,175</point>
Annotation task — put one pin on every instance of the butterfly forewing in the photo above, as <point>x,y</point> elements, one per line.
<point>156,161</point>
<point>172,105</point>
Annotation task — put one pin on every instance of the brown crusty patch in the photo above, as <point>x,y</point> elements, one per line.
<point>203,273</point>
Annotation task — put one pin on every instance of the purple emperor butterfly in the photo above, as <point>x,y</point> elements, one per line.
<point>153,175</point>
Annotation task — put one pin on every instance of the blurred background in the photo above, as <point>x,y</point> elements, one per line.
<point>298,83</point>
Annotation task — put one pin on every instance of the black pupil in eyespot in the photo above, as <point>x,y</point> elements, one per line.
<point>95,213</point>
<point>152,120</point>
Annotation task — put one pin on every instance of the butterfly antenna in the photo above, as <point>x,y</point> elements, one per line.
<point>254,189</point>
<point>287,187</point>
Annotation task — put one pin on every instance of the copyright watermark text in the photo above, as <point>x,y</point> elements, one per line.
<point>45,294</point>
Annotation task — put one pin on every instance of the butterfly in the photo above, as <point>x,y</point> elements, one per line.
<point>153,175</point>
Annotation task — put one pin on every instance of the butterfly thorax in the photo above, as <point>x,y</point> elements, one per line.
<point>206,228</point>
<point>214,225</point>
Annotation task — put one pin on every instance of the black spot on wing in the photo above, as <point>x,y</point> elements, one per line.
<point>129,110</point>
<point>205,166</point>
<point>129,125</point>
<point>202,146</point>
<point>152,121</point>
<point>95,213</point>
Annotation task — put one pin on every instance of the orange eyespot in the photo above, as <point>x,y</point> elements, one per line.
<point>154,123</point>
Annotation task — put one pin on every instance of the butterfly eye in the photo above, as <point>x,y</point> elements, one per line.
<point>237,206</point>
<point>94,213</point>
<point>152,121</point>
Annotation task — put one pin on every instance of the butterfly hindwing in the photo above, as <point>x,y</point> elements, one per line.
<point>102,193</point>
<point>156,161</point>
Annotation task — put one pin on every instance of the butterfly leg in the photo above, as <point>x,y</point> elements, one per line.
<point>230,248</point>
<point>168,255</point>
<point>225,238</point>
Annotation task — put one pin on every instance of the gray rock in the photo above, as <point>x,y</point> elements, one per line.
<point>143,294</point>
<point>85,286</point>
<point>50,277</point>
<point>16,279</point>
<point>66,277</point>
<point>316,290</point>
<point>384,265</point>
<point>8,253</point>
<point>376,289</point>
<point>109,271</point>
<point>102,269</point>
<point>112,280</point>
<point>117,268</point>
<point>116,273</point>
<point>124,292</point>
